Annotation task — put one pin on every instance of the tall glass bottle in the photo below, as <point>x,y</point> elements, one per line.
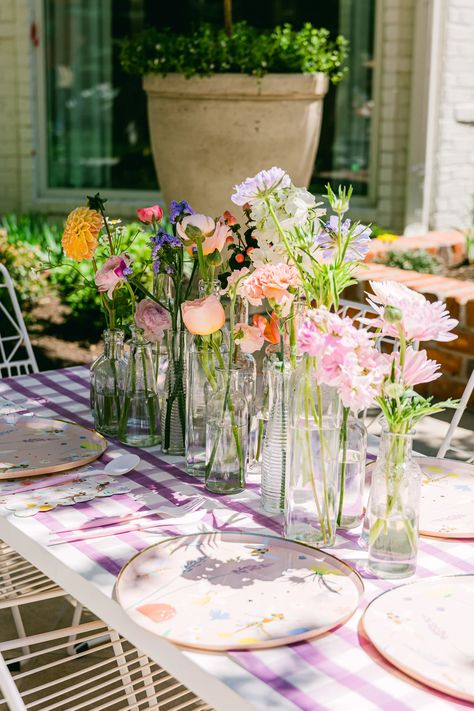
<point>226,435</point>
<point>352,456</point>
<point>394,508</point>
<point>107,382</point>
<point>139,424</point>
<point>203,357</point>
<point>173,412</point>
<point>275,444</point>
<point>312,478</point>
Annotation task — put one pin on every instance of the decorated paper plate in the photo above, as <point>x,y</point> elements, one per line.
<point>447,498</point>
<point>426,629</point>
<point>30,446</point>
<point>221,591</point>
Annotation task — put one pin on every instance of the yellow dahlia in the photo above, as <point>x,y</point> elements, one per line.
<point>81,232</point>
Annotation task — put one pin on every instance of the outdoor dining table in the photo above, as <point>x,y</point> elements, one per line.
<point>340,670</point>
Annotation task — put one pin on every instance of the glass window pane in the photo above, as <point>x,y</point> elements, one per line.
<point>97,131</point>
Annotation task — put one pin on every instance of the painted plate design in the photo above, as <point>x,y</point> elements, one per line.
<point>426,629</point>
<point>221,591</point>
<point>447,498</point>
<point>30,446</point>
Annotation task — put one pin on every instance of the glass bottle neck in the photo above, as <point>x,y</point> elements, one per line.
<point>396,447</point>
<point>113,343</point>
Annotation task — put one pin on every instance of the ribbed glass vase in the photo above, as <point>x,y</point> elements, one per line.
<point>275,443</point>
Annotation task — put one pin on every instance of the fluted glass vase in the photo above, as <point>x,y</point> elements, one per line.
<point>393,508</point>
<point>312,472</point>
<point>275,443</point>
<point>107,375</point>
<point>139,424</point>
<point>173,412</point>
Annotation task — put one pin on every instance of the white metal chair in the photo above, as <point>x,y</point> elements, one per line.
<point>458,413</point>
<point>16,353</point>
<point>109,674</point>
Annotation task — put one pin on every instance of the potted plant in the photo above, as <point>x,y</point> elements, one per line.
<point>222,102</point>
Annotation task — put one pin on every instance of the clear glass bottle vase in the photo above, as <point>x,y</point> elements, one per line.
<point>173,412</point>
<point>312,476</point>
<point>352,456</point>
<point>275,440</point>
<point>139,424</point>
<point>393,508</point>
<point>226,435</point>
<point>107,375</point>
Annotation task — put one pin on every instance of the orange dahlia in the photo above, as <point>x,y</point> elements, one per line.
<point>81,232</point>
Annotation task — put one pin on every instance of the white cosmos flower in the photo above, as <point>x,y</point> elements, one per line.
<point>260,186</point>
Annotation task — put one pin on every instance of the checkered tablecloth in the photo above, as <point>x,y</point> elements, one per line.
<point>340,671</point>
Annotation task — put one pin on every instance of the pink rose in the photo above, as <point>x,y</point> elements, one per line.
<point>213,234</point>
<point>203,316</point>
<point>249,338</point>
<point>153,318</point>
<point>147,214</point>
<point>114,270</point>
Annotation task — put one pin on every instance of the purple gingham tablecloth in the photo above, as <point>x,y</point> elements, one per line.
<point>339,671</point>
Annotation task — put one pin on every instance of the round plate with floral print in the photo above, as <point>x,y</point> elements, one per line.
<point>447,498</point>
<point>222,591</point>
<point>30,446</point>
<point>426,629</point>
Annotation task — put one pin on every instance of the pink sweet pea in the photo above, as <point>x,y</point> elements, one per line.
<point>213,234</point>
<point>114,270</point>
<point>249,338</point>
<point>148,214</point>
<point>153,318</point>
<point>203,316</point>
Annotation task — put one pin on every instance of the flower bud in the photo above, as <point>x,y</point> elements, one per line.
<point>392,314</point>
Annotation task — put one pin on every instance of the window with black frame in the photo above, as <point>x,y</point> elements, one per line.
<point>97,132</point>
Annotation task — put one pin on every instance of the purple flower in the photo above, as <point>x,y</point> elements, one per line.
<point>178,210</point>
<point>354,244</point>
<point>260,186</point>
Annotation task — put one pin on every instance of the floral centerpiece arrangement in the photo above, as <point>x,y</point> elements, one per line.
<point>322,368</point>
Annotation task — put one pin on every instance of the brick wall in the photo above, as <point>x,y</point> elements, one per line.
<point>16,107</point>
<point>456,357</point>
<point>453,187</point>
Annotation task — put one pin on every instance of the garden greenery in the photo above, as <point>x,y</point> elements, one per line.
<point>209,50</point>
<point>417,260</point>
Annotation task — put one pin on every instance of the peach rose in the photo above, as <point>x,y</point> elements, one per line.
<point>203,316</point>
<point>249,338</point>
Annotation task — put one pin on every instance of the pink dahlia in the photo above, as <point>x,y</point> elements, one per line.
<point>417,368</point>
<point>419,319</point>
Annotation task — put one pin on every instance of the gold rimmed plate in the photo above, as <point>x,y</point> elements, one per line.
<point>31,446</point>
<point>226,591</point>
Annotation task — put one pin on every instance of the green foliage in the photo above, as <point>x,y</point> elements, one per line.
<point>208,50</point>
<point>22,260</point>
<point>418,260</point>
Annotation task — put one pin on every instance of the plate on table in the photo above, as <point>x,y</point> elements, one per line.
<point>447,498</point>
<point>426,629</point>
<point>30,446</point>
<point>222,591</point>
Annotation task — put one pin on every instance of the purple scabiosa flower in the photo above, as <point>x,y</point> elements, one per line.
<point>354,244</point>
<point>260,186</point>
<point>178,210</point>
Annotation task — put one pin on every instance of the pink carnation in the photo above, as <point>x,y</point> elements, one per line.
<point>421,320</point>
<point>272,282</point>
<point>249,338</point>
<point>153,318</point>
<point>114,270</point>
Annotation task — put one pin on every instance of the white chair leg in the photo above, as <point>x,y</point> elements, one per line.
<point>457,416</point>
<point>76,618</point>
<point>20,627</point>
<point>122,662</point>
<point>9,689</point>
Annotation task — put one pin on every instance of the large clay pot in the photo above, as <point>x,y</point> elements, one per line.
<point>209,133</point>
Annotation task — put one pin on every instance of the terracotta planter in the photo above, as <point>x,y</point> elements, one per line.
<point>209,133</point>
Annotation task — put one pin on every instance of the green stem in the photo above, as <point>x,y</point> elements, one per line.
<point>282,234</point>
<point>343,443</point>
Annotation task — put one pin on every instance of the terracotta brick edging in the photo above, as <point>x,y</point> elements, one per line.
<point>449,246</point>
<point>456,357</point>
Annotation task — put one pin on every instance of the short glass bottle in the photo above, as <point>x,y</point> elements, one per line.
<point>226,435</point>
<point>140,417</point>
<point>107,376</point>
<point>393,508</point>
